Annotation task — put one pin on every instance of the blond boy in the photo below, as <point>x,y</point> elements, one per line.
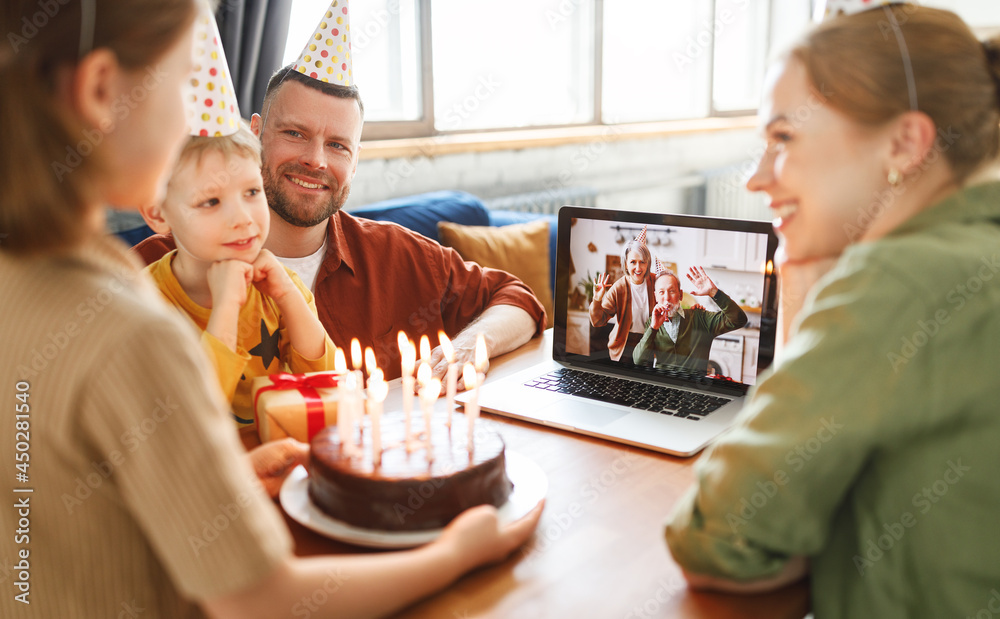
<point>256,316</point>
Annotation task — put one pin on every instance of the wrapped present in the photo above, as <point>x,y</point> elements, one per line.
<point>295,405</point>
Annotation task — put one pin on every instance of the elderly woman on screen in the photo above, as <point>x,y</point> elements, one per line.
<point>628,300</point>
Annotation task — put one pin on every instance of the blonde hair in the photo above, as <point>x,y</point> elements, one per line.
<point>47,161</point>
<point>243,143</point>
<point>956,78</point>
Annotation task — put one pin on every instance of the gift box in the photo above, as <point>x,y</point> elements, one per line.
<point>295,405</point>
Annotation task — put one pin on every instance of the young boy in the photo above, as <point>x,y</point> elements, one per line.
<point>256,316</point>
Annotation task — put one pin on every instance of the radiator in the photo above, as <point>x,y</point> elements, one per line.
<point>545,201</point>
<point>726,194</point>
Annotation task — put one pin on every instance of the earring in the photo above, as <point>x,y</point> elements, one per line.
<point>894,177</point>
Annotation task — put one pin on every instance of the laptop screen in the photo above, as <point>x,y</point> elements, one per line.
<point>674,298</point>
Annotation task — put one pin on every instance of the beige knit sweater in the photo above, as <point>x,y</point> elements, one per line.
<point>142,501</point>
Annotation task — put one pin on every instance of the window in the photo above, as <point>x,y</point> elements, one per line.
<point>427,67</point>
<point>740,57</point>
<point>385,41</point>
<point>657,57</point>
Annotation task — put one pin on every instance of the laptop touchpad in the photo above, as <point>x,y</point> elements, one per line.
<point>580,414</point>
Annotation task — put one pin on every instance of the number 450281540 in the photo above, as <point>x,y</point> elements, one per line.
<point>22,423</point>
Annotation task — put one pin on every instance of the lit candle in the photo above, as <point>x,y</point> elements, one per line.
<point>423,373</point>
<point>343,407</point>
<point>354,410</point>
<point>423,377</point>
<point>770,290</point>
<point>471,379</point>
<point>449,354</point>
<point>408,353</point>
<point>425,348</point>
<point>356,358</point>
<point>370,362</point>
<point>482,357</point>
<point>377,391</point>
<point>429,392</point>
<point>357,393</point>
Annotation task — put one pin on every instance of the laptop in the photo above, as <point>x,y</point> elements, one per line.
<point>672,402</point>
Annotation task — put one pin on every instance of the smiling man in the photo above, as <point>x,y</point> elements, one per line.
<point>371,279</point>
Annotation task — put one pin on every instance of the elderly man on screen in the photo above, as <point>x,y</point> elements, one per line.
<point>681,338</point>
<point>371,279</point>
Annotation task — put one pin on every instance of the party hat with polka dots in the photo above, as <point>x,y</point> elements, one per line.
<point>659,267</point>
<point>834,8</point>
<point>642,236</point>
<point>327,55</point>
<point>212,108</point>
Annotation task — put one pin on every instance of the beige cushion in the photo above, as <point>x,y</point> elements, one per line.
<point>520,249</point>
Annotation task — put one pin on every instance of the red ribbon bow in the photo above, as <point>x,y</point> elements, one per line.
<point>307,386</point>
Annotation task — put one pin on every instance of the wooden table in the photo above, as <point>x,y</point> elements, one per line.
<point>599,550</point>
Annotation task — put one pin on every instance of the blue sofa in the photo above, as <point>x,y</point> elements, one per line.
<point>421,213</point>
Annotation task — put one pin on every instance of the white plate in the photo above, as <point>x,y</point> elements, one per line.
<point>530,487</point>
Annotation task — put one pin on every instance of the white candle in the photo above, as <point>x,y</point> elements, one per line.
<point>370,364</point>
<point>423,374</point>
<point>354,409</point>
<point>357,396</point>
<point>423,378</point>
<point>377,391</point>
<point>429,393</point>
<point>356,358</point>
<point>471,379</point>
<point>408,353</point>
<point>482,356</point>
<point>425,348</point>
<point>343,406</point>
<point>449,355</point>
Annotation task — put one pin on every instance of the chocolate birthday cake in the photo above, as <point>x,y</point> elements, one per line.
<point>408,490</point>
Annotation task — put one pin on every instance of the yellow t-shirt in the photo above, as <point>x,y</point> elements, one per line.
<point>262,343</point>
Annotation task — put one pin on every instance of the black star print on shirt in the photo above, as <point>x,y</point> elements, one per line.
<point>267,350</point>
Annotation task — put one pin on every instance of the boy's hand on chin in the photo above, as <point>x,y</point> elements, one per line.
<point>228,281</point>
<point>270,277</point>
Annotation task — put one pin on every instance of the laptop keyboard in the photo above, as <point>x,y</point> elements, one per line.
<point>631,393</point>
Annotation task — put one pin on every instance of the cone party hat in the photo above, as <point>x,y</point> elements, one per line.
<point>327,55</point>
<point>212,106</point>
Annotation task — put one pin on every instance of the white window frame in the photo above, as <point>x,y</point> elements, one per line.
<point>424,127</point>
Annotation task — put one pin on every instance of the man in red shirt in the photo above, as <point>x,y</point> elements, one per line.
<point>371,279</point>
